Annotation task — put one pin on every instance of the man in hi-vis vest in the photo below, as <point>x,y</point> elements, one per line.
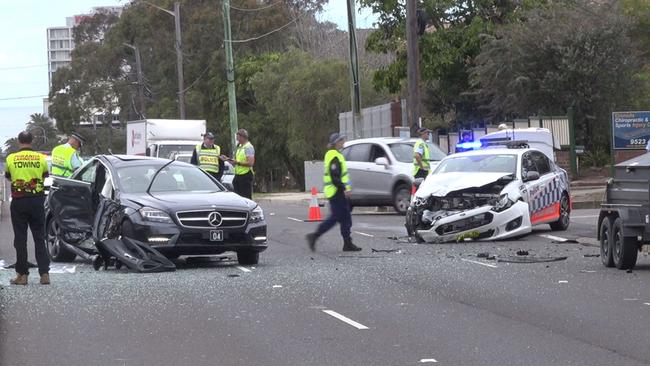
<point>337,190</point>
<point>421,155</point>
<point>206,157</point>
<point>65,157</point>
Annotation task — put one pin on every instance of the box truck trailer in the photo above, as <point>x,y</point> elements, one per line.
<point>163,138</point>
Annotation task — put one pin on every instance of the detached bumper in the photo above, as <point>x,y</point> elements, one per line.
<point>481,223</point>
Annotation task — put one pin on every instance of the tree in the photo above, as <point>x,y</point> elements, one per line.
<point>448,48</point>
<point>577,55</point>
<point>44,132</point>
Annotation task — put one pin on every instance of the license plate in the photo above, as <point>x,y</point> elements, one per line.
<point>216,235</point>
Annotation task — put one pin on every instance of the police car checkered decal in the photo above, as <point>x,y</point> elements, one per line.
<point>549,194</point>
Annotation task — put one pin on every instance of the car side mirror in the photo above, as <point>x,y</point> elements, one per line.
<point>382,161</point>
<point>531,176</point>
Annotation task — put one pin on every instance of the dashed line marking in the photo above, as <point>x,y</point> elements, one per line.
<point>477,262</point>
<point>584,217</point>
<point>556,238</point>
<point>428,360</point>
<point>244,269</point>
<point>294,219</point>
<point>563,281</point>
<point>646,303</point>
<point>630,299</point>
<point>364,234</point>
<point>345,319</point>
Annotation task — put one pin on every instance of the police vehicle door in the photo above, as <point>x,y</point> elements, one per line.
<point>544,192</point>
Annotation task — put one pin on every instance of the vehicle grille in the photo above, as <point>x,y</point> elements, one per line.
<point>200,219</point>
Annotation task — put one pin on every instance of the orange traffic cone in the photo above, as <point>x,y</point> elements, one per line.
<point>314,208</point>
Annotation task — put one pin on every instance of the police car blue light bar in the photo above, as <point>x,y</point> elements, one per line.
<point>470,145</point>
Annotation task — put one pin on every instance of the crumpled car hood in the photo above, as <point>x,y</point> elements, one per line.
<point>441,184</point>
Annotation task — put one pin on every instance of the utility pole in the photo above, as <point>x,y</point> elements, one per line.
<point>412,69</point>
<point>179,59</point>
<point>355,84</point>
<point>230,75</point>
<point>138,67</point>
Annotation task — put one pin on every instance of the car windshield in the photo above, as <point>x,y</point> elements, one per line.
<point>479,164</point>
<point>177,178</point>
<point>404,152</point>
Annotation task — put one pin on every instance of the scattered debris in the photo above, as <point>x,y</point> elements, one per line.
<point>385,250</point>
<point>359,256</point>
<point>12,266</point>
<point>512,259</point>
<point>566,241</point>
<point>233,275</point>
<point>629,270</point>
<point>272,214</point>
<point>522,252</point>
<point>483,255</point>
<point>592,255</point>
<point>57,268</point>
<point>585,271</point>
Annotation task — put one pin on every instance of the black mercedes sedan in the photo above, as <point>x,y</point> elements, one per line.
<point>173,207</point>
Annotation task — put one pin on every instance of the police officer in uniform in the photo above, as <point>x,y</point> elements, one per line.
<point>27,169</point>
<point>206,157</point>
<point>421,155</point>
<point>337,190</point>
<point>65,157</point>
<point>243,163</point>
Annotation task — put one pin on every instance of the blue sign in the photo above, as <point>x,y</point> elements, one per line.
<point>630,130</point>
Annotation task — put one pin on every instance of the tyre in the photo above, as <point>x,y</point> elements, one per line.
<point>624,249</point>
<point>606,242</point>
<point>401,198</point>
<point>248,257</point>
<point>565,211</point>
<point>55,248</point>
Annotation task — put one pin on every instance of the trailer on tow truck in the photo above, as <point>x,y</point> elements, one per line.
<point>624,219</point>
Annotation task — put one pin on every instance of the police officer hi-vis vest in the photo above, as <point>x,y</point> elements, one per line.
<point>62,160</point>
<point>26,168</point>
<point>330,189</point>
<point>208,159</point>
<point>240,157</point>
<point>425,156</point>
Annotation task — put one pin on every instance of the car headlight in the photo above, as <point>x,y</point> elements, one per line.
<point>503,203</point>
<point>155,215</point>
<point>257,215</point>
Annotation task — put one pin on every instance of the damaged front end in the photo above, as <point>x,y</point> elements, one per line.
<point>450,208</point>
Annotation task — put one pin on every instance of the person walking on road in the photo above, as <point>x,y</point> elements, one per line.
<point>243,163</point>
<point>337,190</point>
<point>65,157</point>
<point>206,157</point>
<point>421,155</point>
<point>27,170</point>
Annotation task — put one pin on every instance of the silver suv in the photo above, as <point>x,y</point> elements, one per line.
<point>381,170</point>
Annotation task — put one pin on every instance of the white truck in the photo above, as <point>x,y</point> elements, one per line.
<point>163,138</point>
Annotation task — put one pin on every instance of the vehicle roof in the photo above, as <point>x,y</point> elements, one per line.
<point>125,159</point>
<point>495,151</point>
<point>385,140</point>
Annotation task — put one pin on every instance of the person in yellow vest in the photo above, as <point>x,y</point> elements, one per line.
<point>206,157</point>
<point>243,163</point>
<point>421,155</point>
<point>27,170</point>
<point>65,157</point>
<point>337,188</point>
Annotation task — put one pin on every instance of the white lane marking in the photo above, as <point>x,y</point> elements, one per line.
<point>364,234</point>
<point>584,217</point>
<point>345,319</point>
<point>562,281</point>
<point>630,299</point>
<point>426,360</point>
<point>481,263</point>
<point>277,286</point>
<point>556,238</point>
<point>294,219</point>
<point>244,269</point>
<point>646,303</point>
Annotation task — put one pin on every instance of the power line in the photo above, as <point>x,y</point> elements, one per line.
<point>202,73</point>
<point>22,67</point>
<point>269,33</point>
<point>28,97</point>
<point>256,9</point>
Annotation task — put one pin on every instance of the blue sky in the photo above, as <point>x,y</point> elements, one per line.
<point>23,53</point>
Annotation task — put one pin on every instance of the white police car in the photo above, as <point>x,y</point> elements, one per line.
<point>499,191</point>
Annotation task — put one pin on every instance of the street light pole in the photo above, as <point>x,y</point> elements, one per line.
<point>412,68</point>
<point>355,83</point>
<point>179,52</point>
<point>230,76</point>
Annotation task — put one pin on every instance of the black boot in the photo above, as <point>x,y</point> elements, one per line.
<point>348,246</point>
<point>311,241</point>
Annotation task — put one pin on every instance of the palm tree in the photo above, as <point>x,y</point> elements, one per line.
<point>44,131</point>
